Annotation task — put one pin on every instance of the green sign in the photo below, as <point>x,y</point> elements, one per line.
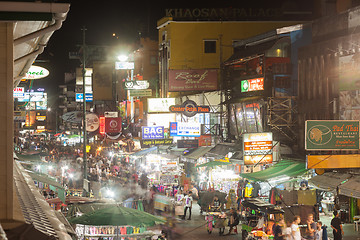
<point>331,135</point>
<point>255,84</point>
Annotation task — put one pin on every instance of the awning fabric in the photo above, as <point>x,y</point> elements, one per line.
<point>286,167</point>
<point>329,180</point>
<point>351,188</point>
<point>198,152</point>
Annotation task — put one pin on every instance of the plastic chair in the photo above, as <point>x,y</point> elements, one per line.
<point>356,225</point>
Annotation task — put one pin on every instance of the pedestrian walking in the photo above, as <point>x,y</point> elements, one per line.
<point>295,230</point>
<point>337,226</point>
<point>278,230</point>
<point>188,205</point>
<point>311,227</point>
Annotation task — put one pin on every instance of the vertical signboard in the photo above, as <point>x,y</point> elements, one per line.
<point>258,148</point>
<point>102,125</point>
<point>102,80</point>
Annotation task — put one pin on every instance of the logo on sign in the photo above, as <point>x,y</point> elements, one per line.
<point>189,108</point>
<point>36,72</point>
<point>153,132</point>
<point>184,129</point>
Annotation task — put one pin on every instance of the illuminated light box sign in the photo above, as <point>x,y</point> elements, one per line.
<point>257,147</point>
<point>250,85</point>
<point>189,108</point>
<point>33,97</point>
<point>160,104</point>
<point>136,84</point>
<point>331,135</point>
<point>36,72</point>
<point>92,122</point>
<point>124,65</point>
<point>40,118</point>
<point>146,143</point>
<point>113,125</point>
<point>184,129</point>
<point>88,97</point>
<point>153,132</point>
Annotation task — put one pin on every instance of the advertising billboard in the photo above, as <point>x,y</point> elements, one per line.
<point>185,129</point>
<point>257,147</point>
<point>153,132</point>
<point>160,104</point>
<point>193,80</point>
<point>250,85</point>
<point>331,135</point>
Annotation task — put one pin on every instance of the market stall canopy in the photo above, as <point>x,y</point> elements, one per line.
<point>351,188</point>
<point>144,152</point>
<point>286,168</point>
<point>213,164</point>
<point>223,149</point>
<point>329,181</point>
<point>260,205</point>
<point>117,216</point>
<point>198,152</point>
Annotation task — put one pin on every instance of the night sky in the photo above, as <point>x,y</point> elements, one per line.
<point>128,19</point>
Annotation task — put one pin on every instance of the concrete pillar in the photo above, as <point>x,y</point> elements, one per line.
<point>10,212</point>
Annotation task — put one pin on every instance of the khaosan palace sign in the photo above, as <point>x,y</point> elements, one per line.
<point>189,108</point>
<point>193,80</point>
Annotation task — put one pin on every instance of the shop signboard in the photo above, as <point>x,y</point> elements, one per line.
<point>153,132</point>
<point>79,97</point>
<point>40,118</point>
<point>188,143</point>
<point>185,129</point>
<point>189,108</point>
<point>36,72</point>
<point>257,147</point>
<point>331,135</point>
<point>92,122</point>
<point>113,125</point>
<point>160,104</point>
<point>130,85</point>
<point>254,84</point>
<point>146,143</point>
<point>124,65</point>
<point>141,93</point>
<point>193,80</point>
<point>111,114</point>
<point>20,116</point>
<point>18,92</point>
<point>333,161</point>
<point>102,125</point>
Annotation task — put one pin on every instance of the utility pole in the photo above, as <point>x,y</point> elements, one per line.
<point>84,114</point>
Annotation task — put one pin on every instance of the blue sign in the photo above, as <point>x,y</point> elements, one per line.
<point>153,132</point>
<point>185,129</point>
<point>88,97</point>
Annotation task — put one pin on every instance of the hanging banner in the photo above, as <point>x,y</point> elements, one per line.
<point>113,125</point>
<point>331,135</point>
<point>193,80</point>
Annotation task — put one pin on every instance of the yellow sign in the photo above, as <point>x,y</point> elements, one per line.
<point>333,161</point>
<point>223,160</point>
<point>88,148</point>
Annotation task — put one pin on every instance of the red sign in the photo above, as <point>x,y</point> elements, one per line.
<point>205,140</point>
<point>193,80</point>
<point>102,125</point>
<point>113,125</point>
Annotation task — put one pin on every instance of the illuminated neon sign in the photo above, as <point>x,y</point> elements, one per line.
<point>250,85</point>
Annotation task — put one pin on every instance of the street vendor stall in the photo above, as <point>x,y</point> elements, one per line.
<point>115,222</point>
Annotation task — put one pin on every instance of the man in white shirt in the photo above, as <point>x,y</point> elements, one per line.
<point>295,230</point>
<point>188,205</point>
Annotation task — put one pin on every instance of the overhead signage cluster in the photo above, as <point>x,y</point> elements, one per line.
<point>251,85</point>
<point>189,108</point>
<point>257,148</point>
<point>185,129</point>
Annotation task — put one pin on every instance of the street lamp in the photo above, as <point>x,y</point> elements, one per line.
<point>122,58</point>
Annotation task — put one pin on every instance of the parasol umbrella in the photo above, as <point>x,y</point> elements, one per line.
<point>117,216</point>
<point>213,164</point>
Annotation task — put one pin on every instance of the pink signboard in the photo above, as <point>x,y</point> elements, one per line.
<point>193,80</point>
